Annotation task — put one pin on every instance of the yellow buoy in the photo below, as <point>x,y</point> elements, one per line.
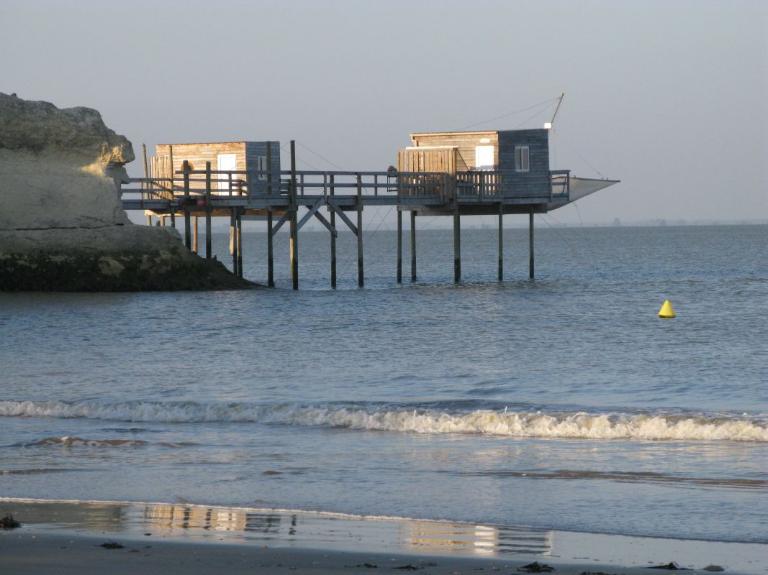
<point>666,310</point>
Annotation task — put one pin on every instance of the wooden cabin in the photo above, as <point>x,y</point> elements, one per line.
<point>519,157</point>
<point>257,162</point>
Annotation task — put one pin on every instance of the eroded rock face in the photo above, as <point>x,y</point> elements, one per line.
<point>62,227</point>
<point>57,167</point>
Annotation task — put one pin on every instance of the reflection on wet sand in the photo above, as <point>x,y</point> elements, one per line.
<point>439,537</point>
<point>301,529</point>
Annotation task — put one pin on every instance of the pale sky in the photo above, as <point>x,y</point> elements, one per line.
<point>671,97</point>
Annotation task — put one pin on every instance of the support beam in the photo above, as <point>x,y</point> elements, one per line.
<point>208,232</point>
<point>332,215</point>
<point>456,246</point>
<point>187,222</point>
<point>530,244</point>
<point>233,248</point>
<point>321,218</point>
<point>399,246</point>
<point>195,232</point>
<point>413,245</point>
<point>284,218</point>
<point>293,209</point>
<point>239,231</point>
<point>501,241</point>
<point>360,272</point>
<point>270,252</point>
<point>312,211</point>
<point>337,210</point>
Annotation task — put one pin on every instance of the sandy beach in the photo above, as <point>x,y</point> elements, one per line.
<point>123,537</point>
<point>42,554</point>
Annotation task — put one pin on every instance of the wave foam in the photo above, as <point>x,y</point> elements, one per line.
<point>72,441</point>
<point>572,425</point>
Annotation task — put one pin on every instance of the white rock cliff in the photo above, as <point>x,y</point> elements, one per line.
<point>62,227</point>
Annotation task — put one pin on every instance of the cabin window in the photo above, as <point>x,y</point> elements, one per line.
<point>261,167</point>
<point>522,159</point>
<point>484,158</point>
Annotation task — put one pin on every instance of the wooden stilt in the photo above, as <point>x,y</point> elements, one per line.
<point>399,247</point>
<point>187,222</point>
<point>195,232</point>
<point>239,232</point>
<point>456,246</point>
<point>332,216</point>
<point>208,232</point>
<point>233,239</point>
<point>294,243</point>
<point>501,241</point>
<point>270,252</point>
<point>413,245</point>
<point>530,244</point>
<point>149,219</point>
<point>172,200</point>
<point>145,185</point>
<point>360,272</point>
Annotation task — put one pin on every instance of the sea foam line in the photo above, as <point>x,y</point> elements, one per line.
<point>575,425</point>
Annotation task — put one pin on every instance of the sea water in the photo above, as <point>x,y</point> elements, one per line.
<point>559,403</point>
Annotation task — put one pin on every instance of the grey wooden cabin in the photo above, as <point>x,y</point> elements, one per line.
<point>510,165</point>
<point>234,165</point>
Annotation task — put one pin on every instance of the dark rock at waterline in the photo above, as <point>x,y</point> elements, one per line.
<point>167,266</point>
<point>536,567</point>
<point>8,522</point>
<point>112,545</point>
<point>671,566</point>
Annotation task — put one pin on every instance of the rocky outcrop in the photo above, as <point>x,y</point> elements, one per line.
<point>62,227</point>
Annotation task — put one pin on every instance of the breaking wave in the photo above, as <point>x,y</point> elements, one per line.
<point>508,423</point>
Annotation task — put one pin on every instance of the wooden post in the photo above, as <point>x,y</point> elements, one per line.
<point>501,241</point>
<point>360,273</point>
<point>456,245</point>
<point>195,231</point>
<point>173,193</point>
<point>187,223</point>
<point>413,245</point>
<point>149,219</point>
<point>333,236</point>
<point>208,232</point>
<point>233,239</point>
<point>145,185</point>
<point>270,252</point>
<point>239,231</point>
<point>399,246</point>
<point>530,244</point>
<point>294,243</point>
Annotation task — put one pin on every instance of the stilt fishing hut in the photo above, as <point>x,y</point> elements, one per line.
<point>491,172</point>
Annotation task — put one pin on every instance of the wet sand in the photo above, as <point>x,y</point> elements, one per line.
<point>59,553</point>
<point>70,537</point>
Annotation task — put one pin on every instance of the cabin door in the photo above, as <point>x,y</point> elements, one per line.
<point>484,159</point>
<point>225,162</point>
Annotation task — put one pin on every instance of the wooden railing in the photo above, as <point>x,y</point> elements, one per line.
<point>439,187</point>
<point>560,182</point>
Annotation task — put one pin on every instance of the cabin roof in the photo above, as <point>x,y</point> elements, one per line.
<point>467,132</point>
<point>219,142</point>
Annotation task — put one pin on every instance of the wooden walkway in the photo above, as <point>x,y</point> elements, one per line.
<point>330,197</point>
